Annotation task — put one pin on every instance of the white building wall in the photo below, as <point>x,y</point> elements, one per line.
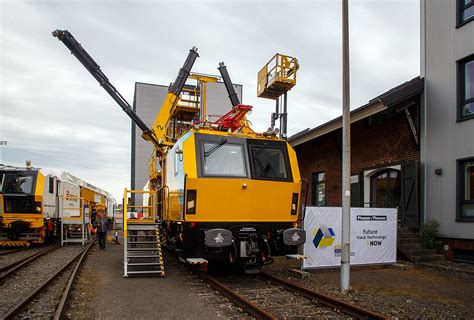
<point>444,139</point>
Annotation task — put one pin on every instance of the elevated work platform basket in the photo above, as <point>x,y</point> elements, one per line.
<point>277,77</point>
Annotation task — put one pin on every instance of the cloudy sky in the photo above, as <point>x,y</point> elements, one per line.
<point>55,114</point>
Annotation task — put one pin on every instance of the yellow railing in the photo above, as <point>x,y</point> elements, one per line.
<point>277,76</point>
<point>189,98</point>
<point>148,213</point>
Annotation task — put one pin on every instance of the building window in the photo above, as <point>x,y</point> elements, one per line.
<point>466,194</point>
<point>466,87</point>
<point>386,189</point>
<point>318,189</point>
<point>465,12</point>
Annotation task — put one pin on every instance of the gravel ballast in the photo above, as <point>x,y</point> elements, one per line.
<point>394,292</point>
<point>20,284</point>
<point>408,292</point>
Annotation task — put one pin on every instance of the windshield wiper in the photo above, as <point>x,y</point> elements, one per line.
<point>265,169</point>
<point>213,149</point>
<point>263,148</point>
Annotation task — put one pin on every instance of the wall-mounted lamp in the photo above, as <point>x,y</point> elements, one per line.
<point>438,172</point>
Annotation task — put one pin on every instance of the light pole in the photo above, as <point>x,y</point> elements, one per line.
<point>346,153</point>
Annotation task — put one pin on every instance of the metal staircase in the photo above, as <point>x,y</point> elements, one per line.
<point>142,241</point>
<point>142,251</point>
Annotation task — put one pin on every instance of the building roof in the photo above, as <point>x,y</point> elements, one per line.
<point>71,178</point>
<point>380,103</point>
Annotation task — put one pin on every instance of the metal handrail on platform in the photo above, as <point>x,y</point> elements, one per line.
<point>76,221</point>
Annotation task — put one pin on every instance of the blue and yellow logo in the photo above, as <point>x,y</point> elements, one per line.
<point>323,236</point>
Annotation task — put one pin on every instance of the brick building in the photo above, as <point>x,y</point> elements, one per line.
<point>385,154</point>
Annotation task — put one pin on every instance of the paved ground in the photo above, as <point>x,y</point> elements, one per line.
<point>103,293</point>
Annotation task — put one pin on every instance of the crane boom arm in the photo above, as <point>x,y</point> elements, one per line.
<point>172,98</point>
<point>234,99</point>
<point>86,60</point>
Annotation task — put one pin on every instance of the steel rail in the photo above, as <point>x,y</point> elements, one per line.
<point>6,252</point>
<point>19,306</point>
<point>236,298</point>
<point>342,306</point>
<point>62,305</point>
<point>260,313</point>
<point>15,266</point>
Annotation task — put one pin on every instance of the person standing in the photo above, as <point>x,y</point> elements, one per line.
<point>133,233</point>
<point>102,225</point>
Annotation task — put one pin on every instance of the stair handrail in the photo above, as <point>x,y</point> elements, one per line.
<point>162,197</point>
<point>412,224</point>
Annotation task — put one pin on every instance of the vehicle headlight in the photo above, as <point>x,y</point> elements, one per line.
<point>294,204</point>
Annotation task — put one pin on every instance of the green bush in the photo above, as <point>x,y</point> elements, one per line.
<point>429,230</point>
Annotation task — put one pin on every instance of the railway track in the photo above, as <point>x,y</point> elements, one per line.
<point>264,296</point>
<point>17,264</point>
<point>10,251</point>
<point>46,295</point>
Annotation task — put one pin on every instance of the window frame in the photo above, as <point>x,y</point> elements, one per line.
<point>206,138</point>
<point>16,197</point>
<point>32,174</point>
<point>275,145</point>
<point>461,7</point>
<point>314,184</point>
<point>460,190</point>
<point>51,185</point>
<point>461,86</point>
<point>2,176</point>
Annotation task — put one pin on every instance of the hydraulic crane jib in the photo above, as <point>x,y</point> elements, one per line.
<point>156,134</point>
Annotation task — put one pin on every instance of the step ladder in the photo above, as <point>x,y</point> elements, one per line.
<point>142,249</point>
<point>142,238</point>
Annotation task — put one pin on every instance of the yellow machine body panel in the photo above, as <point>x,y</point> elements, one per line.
<point>35,219</point>
<point>22,200</point>
<point>227,199</point>
<point>91,196</point>
<point>189,147</point>
<point>39,185</point>
<point>224,200</point>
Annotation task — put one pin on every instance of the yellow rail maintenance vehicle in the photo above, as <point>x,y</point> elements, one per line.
<point>28,208</point>
<point>35,205</point>
<point>93,198</point>
<point>221,191</point>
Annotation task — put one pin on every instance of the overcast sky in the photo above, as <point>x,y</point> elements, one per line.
<point>54,113</point>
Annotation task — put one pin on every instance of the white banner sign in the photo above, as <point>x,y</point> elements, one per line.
<point>373,236</point>
<point>71,205</point>
<point>97,198</point>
